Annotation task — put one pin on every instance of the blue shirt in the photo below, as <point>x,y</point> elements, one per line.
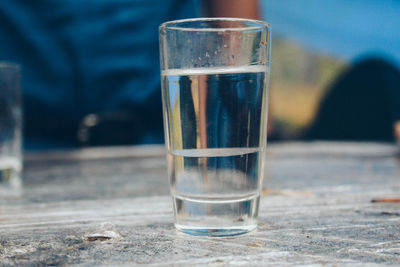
<point>83,57</point>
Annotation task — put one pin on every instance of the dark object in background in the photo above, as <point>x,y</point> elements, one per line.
<point>112,128</point>
<point>362,104</point>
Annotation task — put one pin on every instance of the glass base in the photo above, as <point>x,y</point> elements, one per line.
<point>217,216</point>
<point>215,232</point>
<point>10,176</point>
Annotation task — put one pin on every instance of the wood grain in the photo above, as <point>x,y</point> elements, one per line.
<point>115,210</point>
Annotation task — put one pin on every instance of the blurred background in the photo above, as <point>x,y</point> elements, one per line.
<point>316,43</point>
<point>90,68</point>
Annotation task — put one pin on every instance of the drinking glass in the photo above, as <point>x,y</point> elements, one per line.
<point>215,76</point>
<point>10,128</point>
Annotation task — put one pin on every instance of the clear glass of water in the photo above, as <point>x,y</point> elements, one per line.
<point>10,129</point>
<point>215,76</point>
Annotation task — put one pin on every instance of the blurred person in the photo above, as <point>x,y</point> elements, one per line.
<point>90,68</point>
<point>362,104</point>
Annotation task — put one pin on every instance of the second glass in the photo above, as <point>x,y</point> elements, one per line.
<point>215,75</point>
<point>10,129</point>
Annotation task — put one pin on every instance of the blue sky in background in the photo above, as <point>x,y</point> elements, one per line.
<point>348,29</point>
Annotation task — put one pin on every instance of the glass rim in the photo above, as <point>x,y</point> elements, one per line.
<point>174,24</point>
<point>9,65</point>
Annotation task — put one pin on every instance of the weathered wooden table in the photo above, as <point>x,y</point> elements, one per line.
<point>110,206</point>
